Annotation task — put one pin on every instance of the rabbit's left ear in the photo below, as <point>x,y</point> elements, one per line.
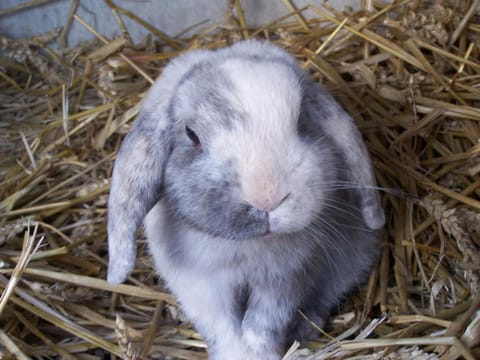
<point>339,126</point>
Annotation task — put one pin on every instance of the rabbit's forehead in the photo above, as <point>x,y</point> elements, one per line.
<point>265,98</point>
<point>264,92</point>
<point>261,96</point>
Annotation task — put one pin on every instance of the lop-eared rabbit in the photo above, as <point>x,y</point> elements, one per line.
<point>257,196</point>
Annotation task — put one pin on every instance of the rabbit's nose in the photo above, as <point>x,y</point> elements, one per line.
<point>275,202</point>
<point>264,182</point>
<point>268,199</point>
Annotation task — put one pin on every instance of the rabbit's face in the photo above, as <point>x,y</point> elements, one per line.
<point>243,163</point>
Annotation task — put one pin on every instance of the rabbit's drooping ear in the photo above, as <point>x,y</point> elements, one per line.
<point>135,187</point>
<point>137,177</point>
<point>339,126</point>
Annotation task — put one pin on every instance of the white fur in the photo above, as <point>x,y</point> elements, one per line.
<point>212,267</point>
<point>271,168</point>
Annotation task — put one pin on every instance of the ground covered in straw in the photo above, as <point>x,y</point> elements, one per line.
<point>407,72</point>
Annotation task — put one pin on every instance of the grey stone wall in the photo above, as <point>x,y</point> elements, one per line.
<point>169,16</point>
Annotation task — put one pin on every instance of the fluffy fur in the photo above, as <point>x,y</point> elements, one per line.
<point>257,193</point>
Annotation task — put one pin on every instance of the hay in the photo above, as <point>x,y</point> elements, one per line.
<point>407,72</point>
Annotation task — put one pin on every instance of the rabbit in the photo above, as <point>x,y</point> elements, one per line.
<point>257,194</point>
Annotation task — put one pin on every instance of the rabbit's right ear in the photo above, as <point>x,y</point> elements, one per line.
<point>137,179</point>
<point>135,187</point>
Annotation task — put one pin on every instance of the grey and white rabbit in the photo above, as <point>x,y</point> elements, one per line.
<point>257,195</point>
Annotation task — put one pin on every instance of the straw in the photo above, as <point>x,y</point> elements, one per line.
<point>407,72</point>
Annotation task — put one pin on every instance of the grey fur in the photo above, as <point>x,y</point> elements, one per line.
<point>242,269</point>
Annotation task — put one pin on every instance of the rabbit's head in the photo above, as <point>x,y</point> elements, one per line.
<point>240,145</point>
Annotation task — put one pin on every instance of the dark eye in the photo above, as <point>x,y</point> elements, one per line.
<point>192,136</point>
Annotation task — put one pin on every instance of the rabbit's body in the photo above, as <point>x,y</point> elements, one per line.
<point>259,195</point>
<point>243,295</point>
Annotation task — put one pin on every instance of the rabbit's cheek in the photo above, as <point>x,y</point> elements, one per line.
<point>211,208</point>
<point>290,217</point>
<point>234,221</point>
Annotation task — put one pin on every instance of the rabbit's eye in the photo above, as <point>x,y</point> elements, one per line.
<point>192,136</point>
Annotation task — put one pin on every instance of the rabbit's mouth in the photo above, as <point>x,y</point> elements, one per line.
<point>267,233</point>
<point>247,223</point>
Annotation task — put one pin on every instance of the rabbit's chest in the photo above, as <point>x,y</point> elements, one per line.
<point>248,256</point>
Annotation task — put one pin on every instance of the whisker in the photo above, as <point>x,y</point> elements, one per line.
<point>342,185</point>
<point>328,244</point>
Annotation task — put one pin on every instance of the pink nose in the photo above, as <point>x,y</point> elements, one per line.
<point>267,202</point>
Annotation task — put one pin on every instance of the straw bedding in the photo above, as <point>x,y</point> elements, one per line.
<point>408,73</point>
